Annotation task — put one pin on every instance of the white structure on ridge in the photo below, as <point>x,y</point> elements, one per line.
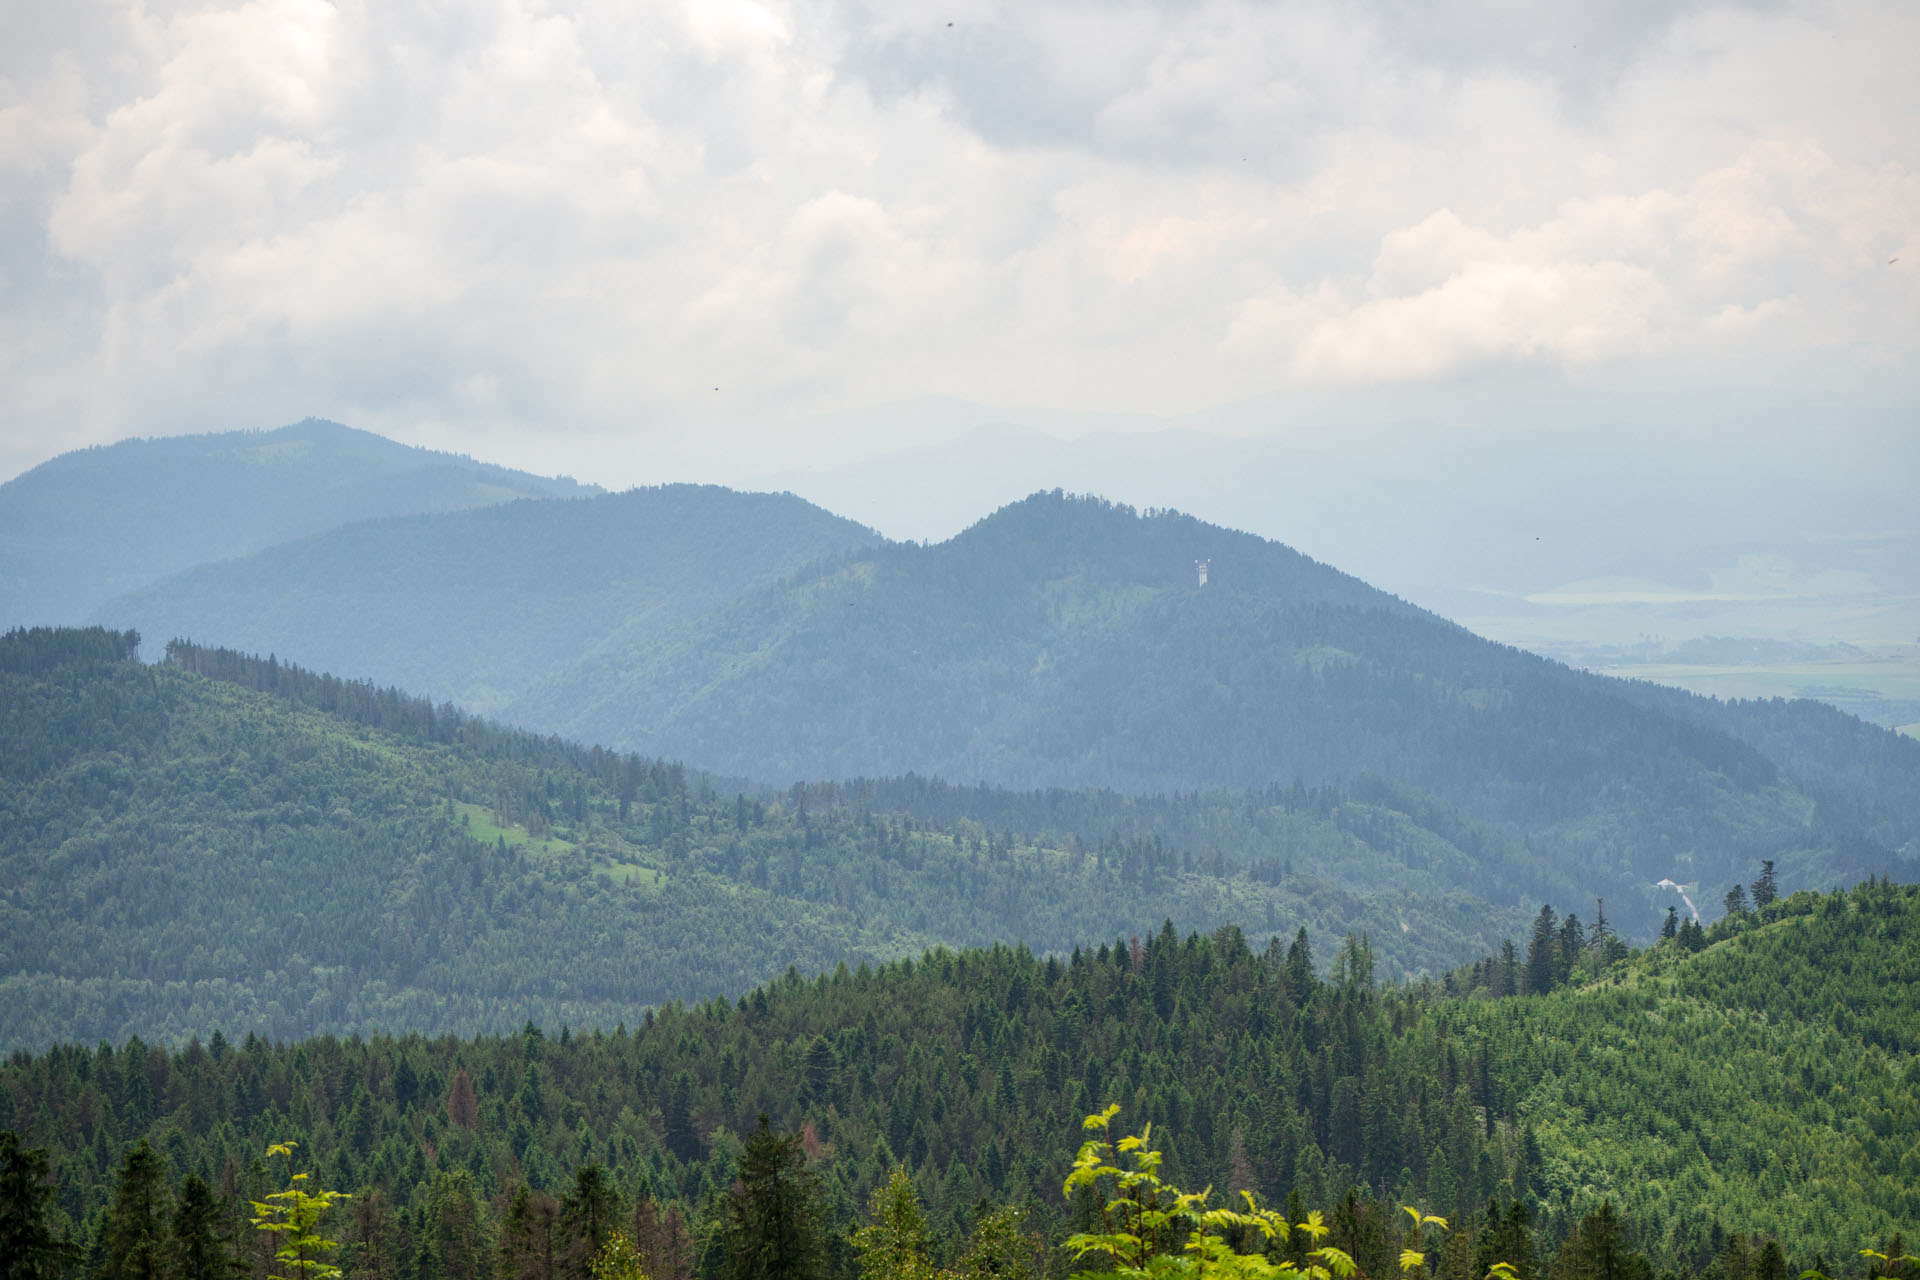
<point>1200,567</point>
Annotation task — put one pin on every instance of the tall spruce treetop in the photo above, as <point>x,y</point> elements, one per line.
<point>30,1249</point>
<point>775,1227</point>
<point>139,1228</point>
<point>1542,963</point>
<point>200,1250</point>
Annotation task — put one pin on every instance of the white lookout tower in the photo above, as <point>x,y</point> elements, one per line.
<point>1200,567</point>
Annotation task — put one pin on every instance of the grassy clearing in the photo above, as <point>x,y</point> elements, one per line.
<point>479,821</point>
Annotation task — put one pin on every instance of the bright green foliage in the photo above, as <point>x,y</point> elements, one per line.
<point>894,1246</point>
<point>293,1217</point>
<point>1003,1246</point>
<point>1149,1228</point>
<point>618,1259</point>
<point>1766,1082</point>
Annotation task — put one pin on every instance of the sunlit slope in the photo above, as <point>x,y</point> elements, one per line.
<point>179,853</point>
<point>1069,643</point>
<point>478,606</point>
<point>1768,1083</point>
<point>89,525</point>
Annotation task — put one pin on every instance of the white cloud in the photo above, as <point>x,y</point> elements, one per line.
<point>544,221</point>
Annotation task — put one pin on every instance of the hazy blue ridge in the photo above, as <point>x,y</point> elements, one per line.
<point>88,525</point>
<point>1060,642</point>
<point>478,606</point>
<point>1068,643</point>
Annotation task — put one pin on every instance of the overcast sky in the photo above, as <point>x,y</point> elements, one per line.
<point>634,240</point>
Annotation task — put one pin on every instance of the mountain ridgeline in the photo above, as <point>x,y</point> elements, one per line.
<point>224,841</point>
<point>480,606</point>
<point>87,526</point>
<point>1061,643</point>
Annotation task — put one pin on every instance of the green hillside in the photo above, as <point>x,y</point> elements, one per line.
<point>1768,1083</point>
<point>89,525</point>
<point>479,606</point>
<point>1715,1099</point>
<point>1067,643</point>
<point>1060,643</point>
<point>179,853</point>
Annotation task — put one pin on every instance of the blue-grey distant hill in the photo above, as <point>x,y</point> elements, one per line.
<point>1060,642</point>
<point>481,606</point>
<point>88,525</point>
<point>1068,642</point>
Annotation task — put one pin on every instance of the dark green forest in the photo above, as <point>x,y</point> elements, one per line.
<point>233,842</point>
<point>1738,1103</point>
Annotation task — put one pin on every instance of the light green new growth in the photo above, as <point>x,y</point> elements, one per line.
<point>1146,1217</point>
<point>618,1259</point>
<point>294,1215</point>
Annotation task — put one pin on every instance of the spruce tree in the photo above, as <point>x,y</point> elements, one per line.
<point>1764,890</point>
<point>1542,952</point>
<point>895,1246</point>
<point>590,1214</point>
<point>530,1237</point>
<point>200,1249</point>
<point>1598,1250</point>
<point>30,1249</point>
<point>137,1235</point>
<point>774,1229</point>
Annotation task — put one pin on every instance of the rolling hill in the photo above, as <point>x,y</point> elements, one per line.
<point>1060,642</point>
<point>86,526</point>
<point>1066,642</point>
<point>226,842</point>
<point>479,606</point>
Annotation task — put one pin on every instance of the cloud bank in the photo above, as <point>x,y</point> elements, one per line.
<point>550,230</point>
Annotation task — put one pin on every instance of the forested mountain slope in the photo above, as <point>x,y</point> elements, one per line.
<point>1861,775</point>
<point>1059,643</point>
<point>1706,1095</point>
<point>179,853</point>
<point>1066,642</point>
<point>1770,1082</point>
<point>480,606</point>
<point>86,526</point>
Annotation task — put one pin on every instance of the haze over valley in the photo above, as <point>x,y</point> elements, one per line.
<point>821,640</point>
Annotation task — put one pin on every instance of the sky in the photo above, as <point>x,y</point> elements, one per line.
<point>843,244</point>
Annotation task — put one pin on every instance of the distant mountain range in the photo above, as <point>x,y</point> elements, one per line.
<point>1059,643</point>
<point>484,607</point>
<point>86,526</point>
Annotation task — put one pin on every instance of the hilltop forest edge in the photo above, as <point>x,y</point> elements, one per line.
<point>1368,1096</point>
<point>944,1092</point>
